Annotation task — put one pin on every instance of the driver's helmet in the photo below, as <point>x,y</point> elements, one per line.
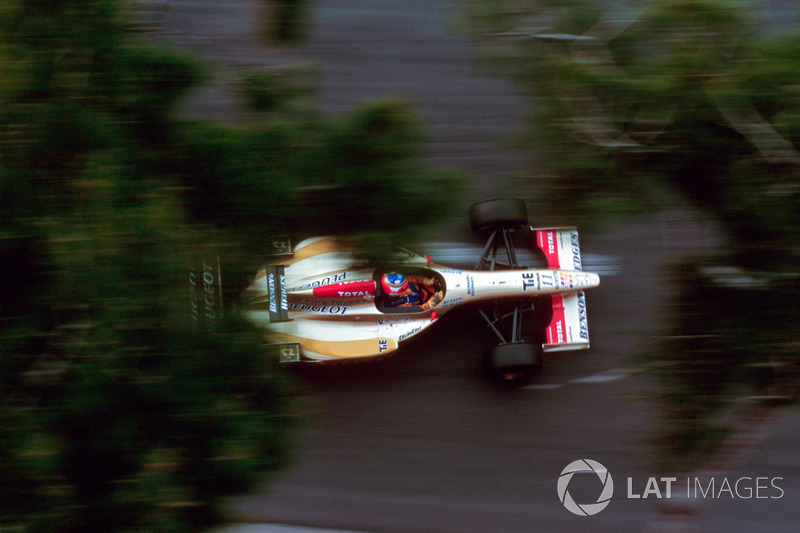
<point>394,283</point>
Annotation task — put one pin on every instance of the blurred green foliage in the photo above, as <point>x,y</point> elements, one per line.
<point>631,104</point>
<point>279,90</point>
<point>115,413</point>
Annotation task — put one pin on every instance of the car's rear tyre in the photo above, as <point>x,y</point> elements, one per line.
<point>513,362</point>
<point>500,212</point>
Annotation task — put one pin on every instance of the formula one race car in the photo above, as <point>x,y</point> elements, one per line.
<point>318,303</point>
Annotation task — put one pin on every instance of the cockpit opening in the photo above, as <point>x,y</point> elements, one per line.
<point>408,290</point>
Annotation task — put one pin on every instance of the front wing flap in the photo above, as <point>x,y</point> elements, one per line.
<point>568,329</point>
<point>560,247</point>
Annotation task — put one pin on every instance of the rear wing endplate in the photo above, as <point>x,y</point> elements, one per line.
<point>276,288</point>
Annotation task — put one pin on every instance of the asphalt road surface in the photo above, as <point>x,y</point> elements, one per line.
<point>419,442</point>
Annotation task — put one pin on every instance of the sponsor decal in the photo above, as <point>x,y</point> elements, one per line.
<point>574,280</point>
<point>352,294</point>
<point>321,301</point>
<point>205,295</point>
<point>394,319</point>
<point>208,290</point>
<point>336,278</point>
<point>451,271</point>
<point>383,345</point>
<point>410,333</point>
<point>546,240</point>
<point>470,286</point>
<point>529,280</point>
<point>284,297</point>
<point>576,250</point>
<point>566,280</point>
<point>560,331</point>
<point>273,303</point>
<point>548,246</point>
<point>556,331</point>
<point>347,289</point>
<point>277,301</point>
<point>584,323</point>
<point>325,309</point>
<point>451,303</point>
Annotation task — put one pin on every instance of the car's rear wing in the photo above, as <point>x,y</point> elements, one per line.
<point>209,293</point>
<point>568,329</point>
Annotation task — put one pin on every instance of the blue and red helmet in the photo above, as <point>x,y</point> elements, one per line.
<point>394,283</point>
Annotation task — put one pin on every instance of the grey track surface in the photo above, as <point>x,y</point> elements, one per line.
<point>418,442</point>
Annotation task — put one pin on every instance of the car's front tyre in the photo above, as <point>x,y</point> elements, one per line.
<point>513,363</point>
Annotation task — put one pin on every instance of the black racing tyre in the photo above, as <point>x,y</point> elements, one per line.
<point>500,212</point>
<point>513,362</point>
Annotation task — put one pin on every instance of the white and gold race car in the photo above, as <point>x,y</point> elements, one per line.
<point>317,302</point>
